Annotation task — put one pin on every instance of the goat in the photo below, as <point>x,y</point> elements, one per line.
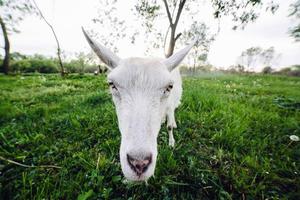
<point>145,91</point>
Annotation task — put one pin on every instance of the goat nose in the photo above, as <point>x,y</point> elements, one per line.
<point>139,165</point>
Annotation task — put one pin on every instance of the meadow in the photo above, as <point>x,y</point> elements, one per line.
<point>232,141</point>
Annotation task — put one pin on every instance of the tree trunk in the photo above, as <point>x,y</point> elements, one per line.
<point>5,64</point>
<point>171,43</point>
<point>173,26</point>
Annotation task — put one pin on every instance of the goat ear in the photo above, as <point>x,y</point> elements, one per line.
<point>108,57</point>
<point>173,61</point>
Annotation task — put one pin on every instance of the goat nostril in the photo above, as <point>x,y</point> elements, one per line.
<point>138,165</point>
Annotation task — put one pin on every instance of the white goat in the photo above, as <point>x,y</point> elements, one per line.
<point>145,91</point>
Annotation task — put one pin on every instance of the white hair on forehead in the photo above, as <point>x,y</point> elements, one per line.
<point>141,73</point>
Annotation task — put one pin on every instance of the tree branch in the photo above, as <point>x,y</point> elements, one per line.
<point>168,12</point>
<point>55,36</point>
<point>180,8</point>
<point>175,5</point>
<point>177,36</point>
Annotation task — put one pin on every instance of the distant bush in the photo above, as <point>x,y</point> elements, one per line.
<point>42,64</point>
<point>267,70</point>
<point>296,67</point>
<point>235,69</point>
<point>294,73</point>
<point>15,56</point>
<point>77,67</point>
<point>38,63</point>
<point>198,69</point>
<point>240,68</point>
<point>20,65</point>
<point>285,71</point>
<point>184,69</point>
<point>71,66</point>
<point>290,71</point>
<point>91,69</point>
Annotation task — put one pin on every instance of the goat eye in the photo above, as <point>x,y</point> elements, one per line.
<point>112,85</point>
<point>169,88</point>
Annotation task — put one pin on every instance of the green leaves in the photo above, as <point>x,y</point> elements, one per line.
<point>85,195</point>
<point>242,12</point>
<point>14,11</point>
<point>295,13</point>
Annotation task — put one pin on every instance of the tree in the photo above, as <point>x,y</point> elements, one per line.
<point>199,53</point>
<point>108,19</point>
<point>240,68</point>
<point>16,56</point>
<point>295,12</point>
<point>267,56</point>
<point>250,56</point>
<point>241,12</point>
<point>11,13</point>
<point>149,12</point>
<point>62,70</point>
<point>254,56</point>
<point>83,60</point>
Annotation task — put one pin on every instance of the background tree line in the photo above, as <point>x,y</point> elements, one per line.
<point>80,63</point>
<point>88,63</point>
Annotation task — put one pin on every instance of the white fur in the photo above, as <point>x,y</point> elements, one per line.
<point>141,106</point>
<point>139,88</point>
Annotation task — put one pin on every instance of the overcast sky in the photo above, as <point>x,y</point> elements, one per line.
<point>67,18</point>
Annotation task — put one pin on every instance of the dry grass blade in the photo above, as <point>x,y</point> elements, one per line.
<point>23,165</point>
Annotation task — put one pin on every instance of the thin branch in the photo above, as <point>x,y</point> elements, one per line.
<point>55,36</point>
<point>168,12</point>
<point>177,36</point>
<point>173,12</point>
<point>180,8</point>
<point>23,165</point>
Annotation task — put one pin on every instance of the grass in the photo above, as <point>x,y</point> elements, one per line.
<point>232,140</point>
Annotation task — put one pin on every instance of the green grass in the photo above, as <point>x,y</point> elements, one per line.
<point>232,140</point>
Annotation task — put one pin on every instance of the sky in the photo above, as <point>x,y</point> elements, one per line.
<point>67,17</point>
